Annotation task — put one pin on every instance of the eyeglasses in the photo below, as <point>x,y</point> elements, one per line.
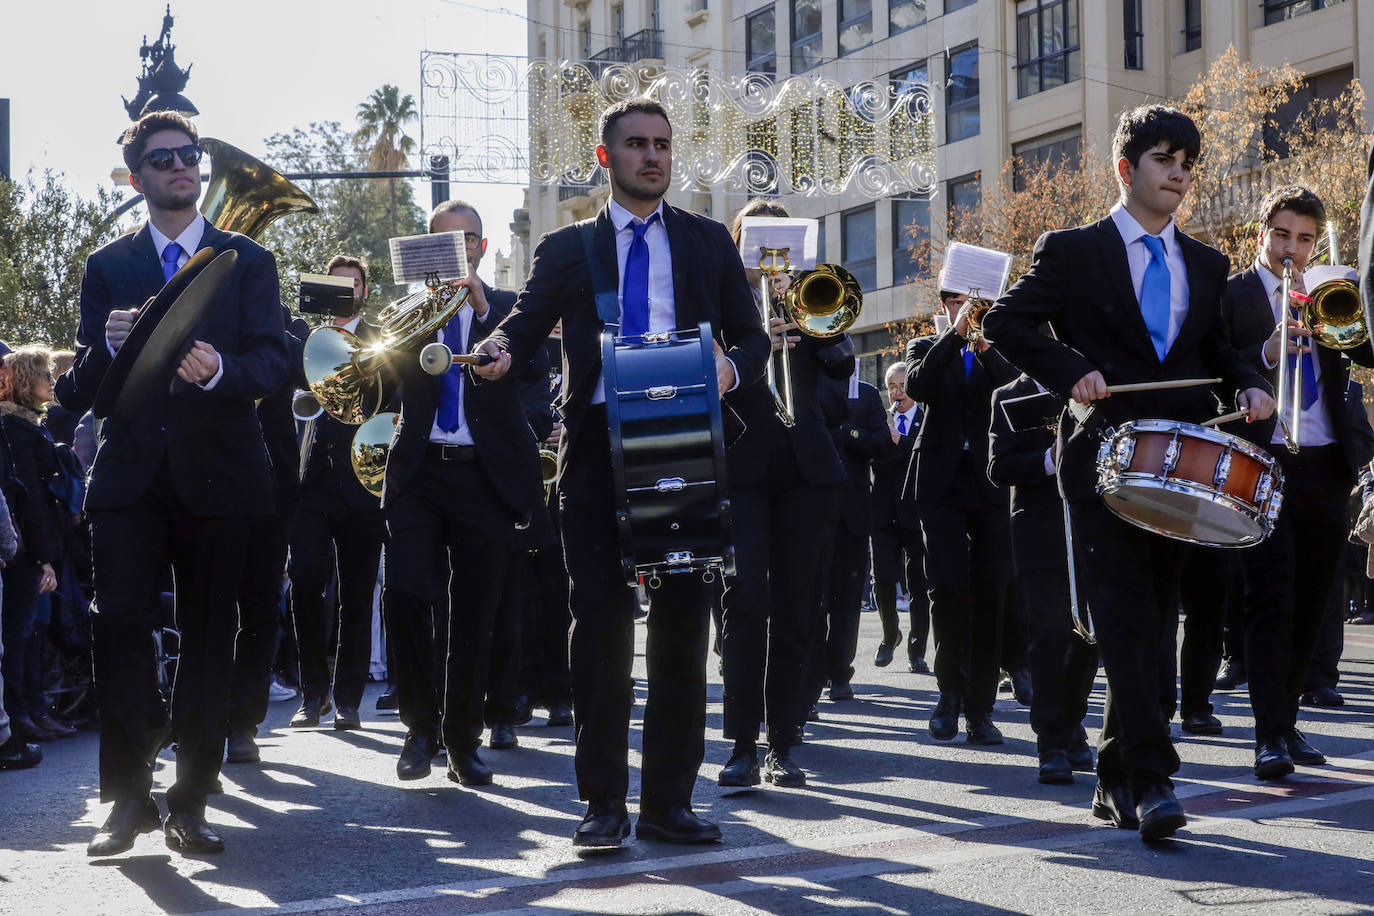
<point>161,159</point>
<point>472,240</point>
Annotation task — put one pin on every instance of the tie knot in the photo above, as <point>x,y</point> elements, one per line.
<point>1155,244</point>
<point>171,254</point>
<point>641,228</point>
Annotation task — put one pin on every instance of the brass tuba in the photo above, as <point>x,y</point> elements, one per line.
<point>245,195</point>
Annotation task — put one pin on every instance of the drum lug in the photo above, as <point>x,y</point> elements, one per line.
<point>1264,489</point>
<point>1171,455</point>
<point>1124,452</point>
<point>662,392</point>
<point>1223,471</point>
<point>678,558</point>
<point>1275,504</point>
<point>670,485</point>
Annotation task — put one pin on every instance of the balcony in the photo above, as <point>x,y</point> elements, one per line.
<point>571,191</point>
<point>646,44</point>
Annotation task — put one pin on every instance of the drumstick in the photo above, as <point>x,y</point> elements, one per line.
<point>1160,386</point>
<point>1228,417</point>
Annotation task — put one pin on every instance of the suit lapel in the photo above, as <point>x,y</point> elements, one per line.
<point>684,305</point>
<point>605,246</point>
<point>147,264</point>
<point>1123,308</point>
<point>1195,322</point>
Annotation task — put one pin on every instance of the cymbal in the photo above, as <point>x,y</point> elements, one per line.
<point>153,365</point>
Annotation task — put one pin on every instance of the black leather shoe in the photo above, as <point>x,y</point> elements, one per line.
<point>1159,812</point>
<point>1272,760</point>
<point>1324,697</point>
<point>1202,723</point>
<point>1231,676</point>
<point>813,713</point>
<point>387,701</point>
<point>190,833</point>
<point>918,666</point>
<point>346,719</point>
<point>308,716</point>
<point>502,737</point>
<point>240,747</point>
<point>467,769</point>
<point>18,754</point>
<point>676,824</point>
<point>883,657</point>
<point>741,771</point>
<point>1302,753</point>
<point>980,730</point>
<point>1080,755</point>
<point>1021,686</point>
<point>416,754</point>
<point>605,824</point>
<point>524,709</point>
<point>841,691</point>
<point>560,713</point>
<point>122,827</point>
<point>944,721</point>
<point>1055,769</point>
<point>1115,804</point>
<point>779,769</point>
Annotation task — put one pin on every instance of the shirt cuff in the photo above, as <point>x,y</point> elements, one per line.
<point>736,369</point>
<point>219,374</point>
<point>1049,462</point>
<point>109,346</point>
<point>1264,359</point>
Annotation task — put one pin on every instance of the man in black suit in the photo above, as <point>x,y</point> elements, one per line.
<point>963,517</point>
<point>692,274</point>
<point>338,532</point>
<point>1062,664</point>
<point>898,554</point>
<point>1289,577</point>
<point>462,474</point>
<point>862,437</point>
<point>176,483</point>
<point>1087,283</point>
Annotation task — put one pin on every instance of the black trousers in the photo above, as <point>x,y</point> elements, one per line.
<point>1324,669</point>
<point>602,645</point>
<point>1062,664</point>
<point>1289,578</point>
<point>545,622</point>
<point>967,547</point>
<point>356,535</point>
<point>260,601</point>
<point>899,556</point>
<point>1130,578</point>
<point>130,550</point>
<point>1207,594</point>
<point>450,539</point>
<point>836,638</point>
<point>503,674</point>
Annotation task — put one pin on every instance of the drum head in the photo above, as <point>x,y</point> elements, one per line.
<point>1185,513</point>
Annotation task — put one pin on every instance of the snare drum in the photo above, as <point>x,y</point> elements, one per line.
<point>1190,483</point>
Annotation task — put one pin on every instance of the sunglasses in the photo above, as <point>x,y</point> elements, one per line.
<point>161,159</point>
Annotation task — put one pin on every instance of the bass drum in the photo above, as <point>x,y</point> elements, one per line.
<point>1190,483</point>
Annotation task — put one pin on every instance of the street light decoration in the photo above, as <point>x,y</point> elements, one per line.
<point>161,83</point>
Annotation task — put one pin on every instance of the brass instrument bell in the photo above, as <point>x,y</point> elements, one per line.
<point>245,195</point>
<point>371,445</point>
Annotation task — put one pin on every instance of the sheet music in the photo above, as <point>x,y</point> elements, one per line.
<point>414,257</point>
<point>799,236</point>
<point>969,267</point>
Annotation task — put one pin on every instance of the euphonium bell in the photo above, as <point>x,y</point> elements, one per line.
<point>245,195</point>
<point>344,373</point>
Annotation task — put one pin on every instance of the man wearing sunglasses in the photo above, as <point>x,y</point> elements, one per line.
<point>177,485</point>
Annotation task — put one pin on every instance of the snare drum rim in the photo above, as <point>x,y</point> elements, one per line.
<point>1188,488</point>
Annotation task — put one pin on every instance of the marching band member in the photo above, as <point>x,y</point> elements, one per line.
<point>1133,298</point>
<point>670,269</point>
<point>180,483</point>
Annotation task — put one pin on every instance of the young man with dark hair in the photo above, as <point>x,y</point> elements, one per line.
<point>1130,298</point>
<point>181,483</point>
<point>674,269</point>
<point>1290,576</point>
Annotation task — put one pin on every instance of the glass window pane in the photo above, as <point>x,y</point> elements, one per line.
<point>856,36</point>
<point>859,237</point>
<point>806,18</point>
<point>910,239</point>
<point>905,14</point>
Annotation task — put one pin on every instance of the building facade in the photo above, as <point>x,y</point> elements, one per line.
<point>1029,78</point>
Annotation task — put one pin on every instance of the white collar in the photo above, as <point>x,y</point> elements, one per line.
<point>352,326</point>
<point>1271,282</point>
<point>1131,230</point>
<point>620,217</point>
<point>189,240</point>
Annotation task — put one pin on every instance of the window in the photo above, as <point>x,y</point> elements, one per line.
<point>909,77</point>
<point>806,34</point>
<point>965,202</point>
<point>856,25</point>
<point>760,41</point>
<point>1046,45</point>
<point>904,14</point>
<point>618,17</point>
<point>961,93</point>
<point>910,239</point>
<point>820,240</point>
<point>1279,10</point>
<point>858,239</point>
<point>1326,85</point>
<point>1133,33</point>
<point>952,5</point>
<point>586,30</point>
<point>1192,25</point>
<point>1063,149</point>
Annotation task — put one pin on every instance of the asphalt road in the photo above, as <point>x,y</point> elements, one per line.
<point>891,822</point>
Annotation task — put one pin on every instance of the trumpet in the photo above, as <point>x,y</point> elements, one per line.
<point>548,470</point>
<point>978,307</point>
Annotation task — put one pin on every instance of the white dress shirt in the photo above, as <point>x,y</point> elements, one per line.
<point>1138,256</point>
<point>462,435</point>
<point>662,309</point>
<point>1315,427</point>
<point>910,414</point>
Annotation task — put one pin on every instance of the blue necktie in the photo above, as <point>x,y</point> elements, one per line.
<point>1155,295</point>
<point>901,424</point>
<point>1309,374</point>
<point>170,255</point>
<point>451,382</point>
<point>634,306</point>
<point>968,362</point>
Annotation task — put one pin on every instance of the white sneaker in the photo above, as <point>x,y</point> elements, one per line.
<point>277,691</point>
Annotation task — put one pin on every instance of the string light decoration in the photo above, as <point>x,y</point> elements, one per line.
<point>510,120</point>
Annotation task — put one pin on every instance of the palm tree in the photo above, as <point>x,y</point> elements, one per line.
<point>381,133</point>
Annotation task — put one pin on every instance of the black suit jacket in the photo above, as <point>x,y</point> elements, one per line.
<point>894,499</point>
<point>329,455</point>
<point>1080,282</point>
<point>1017,461</point>
<point>211,440</point>
<point>505,445</point>
<point>708,285</point>
<point>958,410</point>
<point>860,438</point>
<point>1248,314</point>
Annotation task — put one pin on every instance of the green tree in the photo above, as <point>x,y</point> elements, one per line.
<point>46,233</point>
<point>382,120</point>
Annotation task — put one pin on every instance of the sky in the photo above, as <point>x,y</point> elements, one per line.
<point>258,68</point>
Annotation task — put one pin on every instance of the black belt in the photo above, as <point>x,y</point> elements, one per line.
<point>453,452</point>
